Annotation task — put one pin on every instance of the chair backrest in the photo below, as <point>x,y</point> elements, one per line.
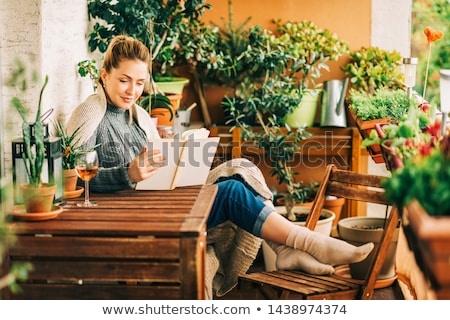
<point>358,187</point>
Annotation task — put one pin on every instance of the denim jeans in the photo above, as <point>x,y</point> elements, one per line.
<point>239,203</point>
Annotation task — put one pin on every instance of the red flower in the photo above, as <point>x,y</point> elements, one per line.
<point>434,129</point>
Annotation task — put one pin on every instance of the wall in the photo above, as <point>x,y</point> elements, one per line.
<point>53,34</point>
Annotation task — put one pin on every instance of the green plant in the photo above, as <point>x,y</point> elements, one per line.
<point>33,135</point>
<point>310,46</point>
<point>89,68</point>
<point>156,101</point>
<point>372,68</point>
<point>153,22</point>
<point>70,145</point>
<point>383,103</point>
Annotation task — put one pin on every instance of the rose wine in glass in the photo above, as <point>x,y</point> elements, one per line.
<point>87,166</point>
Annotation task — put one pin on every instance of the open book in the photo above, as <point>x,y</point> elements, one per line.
<point>187,160</point>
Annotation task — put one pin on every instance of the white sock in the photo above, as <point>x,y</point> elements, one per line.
<point>326,249</point>
<point>291,259</point>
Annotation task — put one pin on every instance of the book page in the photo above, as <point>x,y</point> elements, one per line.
<point>187,160</point>
<point>196,161</point>
<point>164,178</point>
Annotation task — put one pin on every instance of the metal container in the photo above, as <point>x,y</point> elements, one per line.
<point>332,104</point>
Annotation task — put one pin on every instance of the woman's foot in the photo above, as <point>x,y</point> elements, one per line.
<point>291,259</point>
<point>326,249</point>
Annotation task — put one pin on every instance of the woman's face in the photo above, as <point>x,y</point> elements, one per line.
<point>125,84</point>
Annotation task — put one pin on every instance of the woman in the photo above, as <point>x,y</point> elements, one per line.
<point>112,119</point>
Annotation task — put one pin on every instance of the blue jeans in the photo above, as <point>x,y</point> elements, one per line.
<point>239,203</point>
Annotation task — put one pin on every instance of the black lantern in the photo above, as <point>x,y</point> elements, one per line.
<point>52,171</point>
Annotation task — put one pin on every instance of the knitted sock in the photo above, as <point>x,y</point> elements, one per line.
<point>291,259</point>
<point>326,249</point>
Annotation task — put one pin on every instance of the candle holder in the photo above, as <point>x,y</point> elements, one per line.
<point>410,74</point>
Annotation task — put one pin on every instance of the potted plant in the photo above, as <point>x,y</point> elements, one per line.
<point>371,68</point>
<point>382,107</point>
<point>70,148</point>
<point>38,196</point>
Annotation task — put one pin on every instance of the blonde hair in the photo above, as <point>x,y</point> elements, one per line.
<point>125,48</point>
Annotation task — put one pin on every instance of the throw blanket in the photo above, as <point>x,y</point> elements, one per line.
<point>231,250</point>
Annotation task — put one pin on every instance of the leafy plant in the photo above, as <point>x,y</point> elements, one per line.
<point>153,22</point>
<point>70,145</point>
<point>33,135</point>
<point>89,68</point>
<point>156,101</point>
<point>310,46</point>
<point>372,68</point>
<point>383,103</point>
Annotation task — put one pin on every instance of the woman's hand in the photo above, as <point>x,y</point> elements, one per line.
<point>144,165</point>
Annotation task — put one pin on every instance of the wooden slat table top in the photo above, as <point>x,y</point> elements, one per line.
<point>179,213</point>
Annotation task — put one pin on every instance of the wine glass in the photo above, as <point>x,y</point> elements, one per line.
<point>86,166</point>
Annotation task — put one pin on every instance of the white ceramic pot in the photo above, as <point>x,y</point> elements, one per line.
<point>323,226</point>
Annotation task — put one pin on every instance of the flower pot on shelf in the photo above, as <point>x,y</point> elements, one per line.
<point>305,113</point>
<point>365,127</point>
<point>38,199</point>
<point>429,238</point>
<point>323,226</point>
<point>172,84</point>
<point>360,230</point>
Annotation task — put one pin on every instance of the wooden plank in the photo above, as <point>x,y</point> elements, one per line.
<point>96,247</point>
<point>81,271</point>
<point>97,291</point>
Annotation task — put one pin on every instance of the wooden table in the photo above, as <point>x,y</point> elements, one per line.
<point>133,245</point>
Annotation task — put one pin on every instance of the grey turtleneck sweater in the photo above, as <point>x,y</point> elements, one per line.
<point>119,142</point>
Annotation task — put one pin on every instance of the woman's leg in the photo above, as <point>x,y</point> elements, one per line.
<point>239,204</point>
<point>325,249</point>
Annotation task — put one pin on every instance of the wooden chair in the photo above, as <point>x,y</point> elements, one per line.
<point>299,285</point>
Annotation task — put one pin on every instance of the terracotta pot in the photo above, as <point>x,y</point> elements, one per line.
<point>38,199</point>
<point>70,180</point>
<point>163,115</point>
<point>429,238</point>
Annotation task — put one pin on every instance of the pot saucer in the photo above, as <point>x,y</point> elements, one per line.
<point>343,271</point>
<point>74,194</point>
<point>18,212</point>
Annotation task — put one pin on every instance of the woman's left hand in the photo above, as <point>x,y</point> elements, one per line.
<point>144,165</point>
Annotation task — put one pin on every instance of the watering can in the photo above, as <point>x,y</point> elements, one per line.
<point>333,107</point>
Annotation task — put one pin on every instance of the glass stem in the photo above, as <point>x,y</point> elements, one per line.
<point>86,193</point>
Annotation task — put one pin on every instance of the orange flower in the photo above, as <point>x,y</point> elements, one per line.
<point>433,35</point>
